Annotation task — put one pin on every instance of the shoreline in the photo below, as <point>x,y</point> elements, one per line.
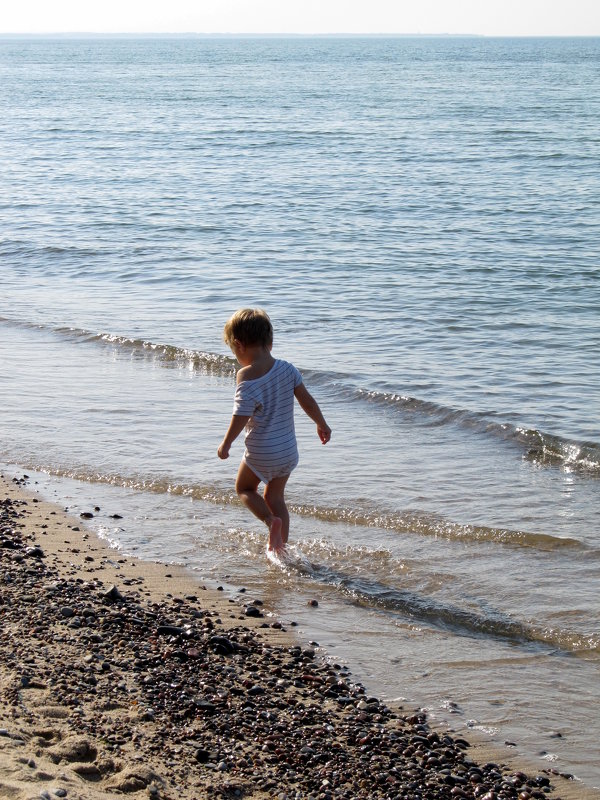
<point>120,676</point>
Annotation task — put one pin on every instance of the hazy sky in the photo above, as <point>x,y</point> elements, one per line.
<point>488,17</point>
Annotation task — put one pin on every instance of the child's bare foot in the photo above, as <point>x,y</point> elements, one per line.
<point>275,539</point>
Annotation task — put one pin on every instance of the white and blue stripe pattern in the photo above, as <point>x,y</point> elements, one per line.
<point>271,448</point>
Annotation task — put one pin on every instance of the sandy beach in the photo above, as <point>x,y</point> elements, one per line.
<point>119,676</point>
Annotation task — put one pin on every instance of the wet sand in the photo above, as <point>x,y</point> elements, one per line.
<point>121,677</point>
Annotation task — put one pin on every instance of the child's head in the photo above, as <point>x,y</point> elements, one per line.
<point>249,326</point>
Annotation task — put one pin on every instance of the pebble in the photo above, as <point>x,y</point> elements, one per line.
<point>222,645</point>
<point>231,709</point>
<point>170,630</point>
<point>112,594</point>
<point>34,552</point>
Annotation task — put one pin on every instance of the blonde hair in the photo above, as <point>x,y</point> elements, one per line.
<point>249,326</point>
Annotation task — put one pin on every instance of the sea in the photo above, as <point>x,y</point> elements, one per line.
<point>420,217</point>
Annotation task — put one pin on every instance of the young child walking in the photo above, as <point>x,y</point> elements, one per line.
<point>264,405</point>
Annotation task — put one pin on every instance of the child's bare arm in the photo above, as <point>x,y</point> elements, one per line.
<point>236,426</point>
<point>311,408</point>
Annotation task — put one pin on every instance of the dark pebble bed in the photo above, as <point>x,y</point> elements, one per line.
<point>216,710</point>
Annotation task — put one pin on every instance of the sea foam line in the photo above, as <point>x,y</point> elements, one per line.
<point>543,449</point>
<point>401,522</point>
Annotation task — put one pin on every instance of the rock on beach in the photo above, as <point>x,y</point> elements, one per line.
<point>153,696</point>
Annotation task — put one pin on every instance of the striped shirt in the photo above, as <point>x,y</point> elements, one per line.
<point>271,449</point>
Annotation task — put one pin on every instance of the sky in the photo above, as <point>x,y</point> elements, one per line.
<point>484,17</point>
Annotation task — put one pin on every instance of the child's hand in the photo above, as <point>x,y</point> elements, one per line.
<point>223,451</point>
<point>324,432</point>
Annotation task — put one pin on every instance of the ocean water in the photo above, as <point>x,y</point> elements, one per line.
<point>420,218</point>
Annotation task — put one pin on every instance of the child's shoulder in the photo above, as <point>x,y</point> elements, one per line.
<point>244,374</point>
<point>255,371</point>
<point>277,368</point>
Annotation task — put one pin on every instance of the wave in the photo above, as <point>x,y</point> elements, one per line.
<point>539,447</point>
<point>429,524</point>
<point>172,355</point>
<point>18,247</point>
<point>542,448</point>
<point>547,449</point>
<point>422,609</point>
<point>405,522</point>
<point>418,608</point>
<point>351,571</point>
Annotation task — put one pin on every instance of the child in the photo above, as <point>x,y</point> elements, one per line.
<point>264,405</point>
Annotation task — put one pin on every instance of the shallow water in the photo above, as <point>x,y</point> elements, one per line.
<point>419,219</point>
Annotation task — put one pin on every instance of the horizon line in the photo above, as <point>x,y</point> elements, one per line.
<point>281,35</point>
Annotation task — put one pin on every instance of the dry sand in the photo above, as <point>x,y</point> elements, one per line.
<point>124,677</point>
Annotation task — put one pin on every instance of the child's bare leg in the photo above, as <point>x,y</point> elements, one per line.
<point>274,498</point>
<point>246,486</point>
